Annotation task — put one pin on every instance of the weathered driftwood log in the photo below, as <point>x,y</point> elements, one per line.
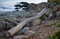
<point>14,30</point>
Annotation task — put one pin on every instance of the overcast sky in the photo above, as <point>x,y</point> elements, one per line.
<point>13,2</point>
<point>35,1</point>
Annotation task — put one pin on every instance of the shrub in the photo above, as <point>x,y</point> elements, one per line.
<point>57,24</point>
<point>55,35</point>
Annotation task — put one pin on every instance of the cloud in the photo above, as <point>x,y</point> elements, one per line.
<point>12,2</point>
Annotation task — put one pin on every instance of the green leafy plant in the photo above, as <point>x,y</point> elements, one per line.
<point>42,18</point>
<point>54,14</point>
<point>55,35</point>
<point>57,24</point>
<point>56,1</point>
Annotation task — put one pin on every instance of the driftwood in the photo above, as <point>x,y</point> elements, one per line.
<point>14,30</point>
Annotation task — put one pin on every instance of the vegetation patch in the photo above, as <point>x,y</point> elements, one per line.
<point>57,23</point>
<point>55,35</point>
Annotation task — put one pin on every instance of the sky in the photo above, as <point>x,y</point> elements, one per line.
<point>11,3</point>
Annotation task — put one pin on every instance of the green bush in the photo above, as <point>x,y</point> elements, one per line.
<point>56,1</point>
<point>42,18</point>
<point>57,24</point>
<point>55,35</point>
<point>52,2</point>
<point>54,14</point>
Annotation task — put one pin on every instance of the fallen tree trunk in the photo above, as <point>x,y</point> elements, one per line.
<point>14,30</point>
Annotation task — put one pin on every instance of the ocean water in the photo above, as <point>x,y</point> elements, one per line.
<point>14,14</point>
<point>13,18</point>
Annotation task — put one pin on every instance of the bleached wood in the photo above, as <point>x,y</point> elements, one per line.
<point>14,30</point>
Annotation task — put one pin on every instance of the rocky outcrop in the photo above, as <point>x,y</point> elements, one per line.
<point>11,19</point>
<point>37,7</point>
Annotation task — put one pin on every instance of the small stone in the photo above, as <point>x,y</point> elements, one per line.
<point>25,29</point>
<point>36,28</point>
<point>19,37</point>
<point>29,32</point>
<point>58,13</point>
<point>50,15</point>
<point>43,22</point>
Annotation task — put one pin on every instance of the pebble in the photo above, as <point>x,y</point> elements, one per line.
<point>19,37</point>
<point>36,28</point>
<point>58,13</point>
<point>25,29</point>
<point>29,32</point>
<point>50,15</point>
